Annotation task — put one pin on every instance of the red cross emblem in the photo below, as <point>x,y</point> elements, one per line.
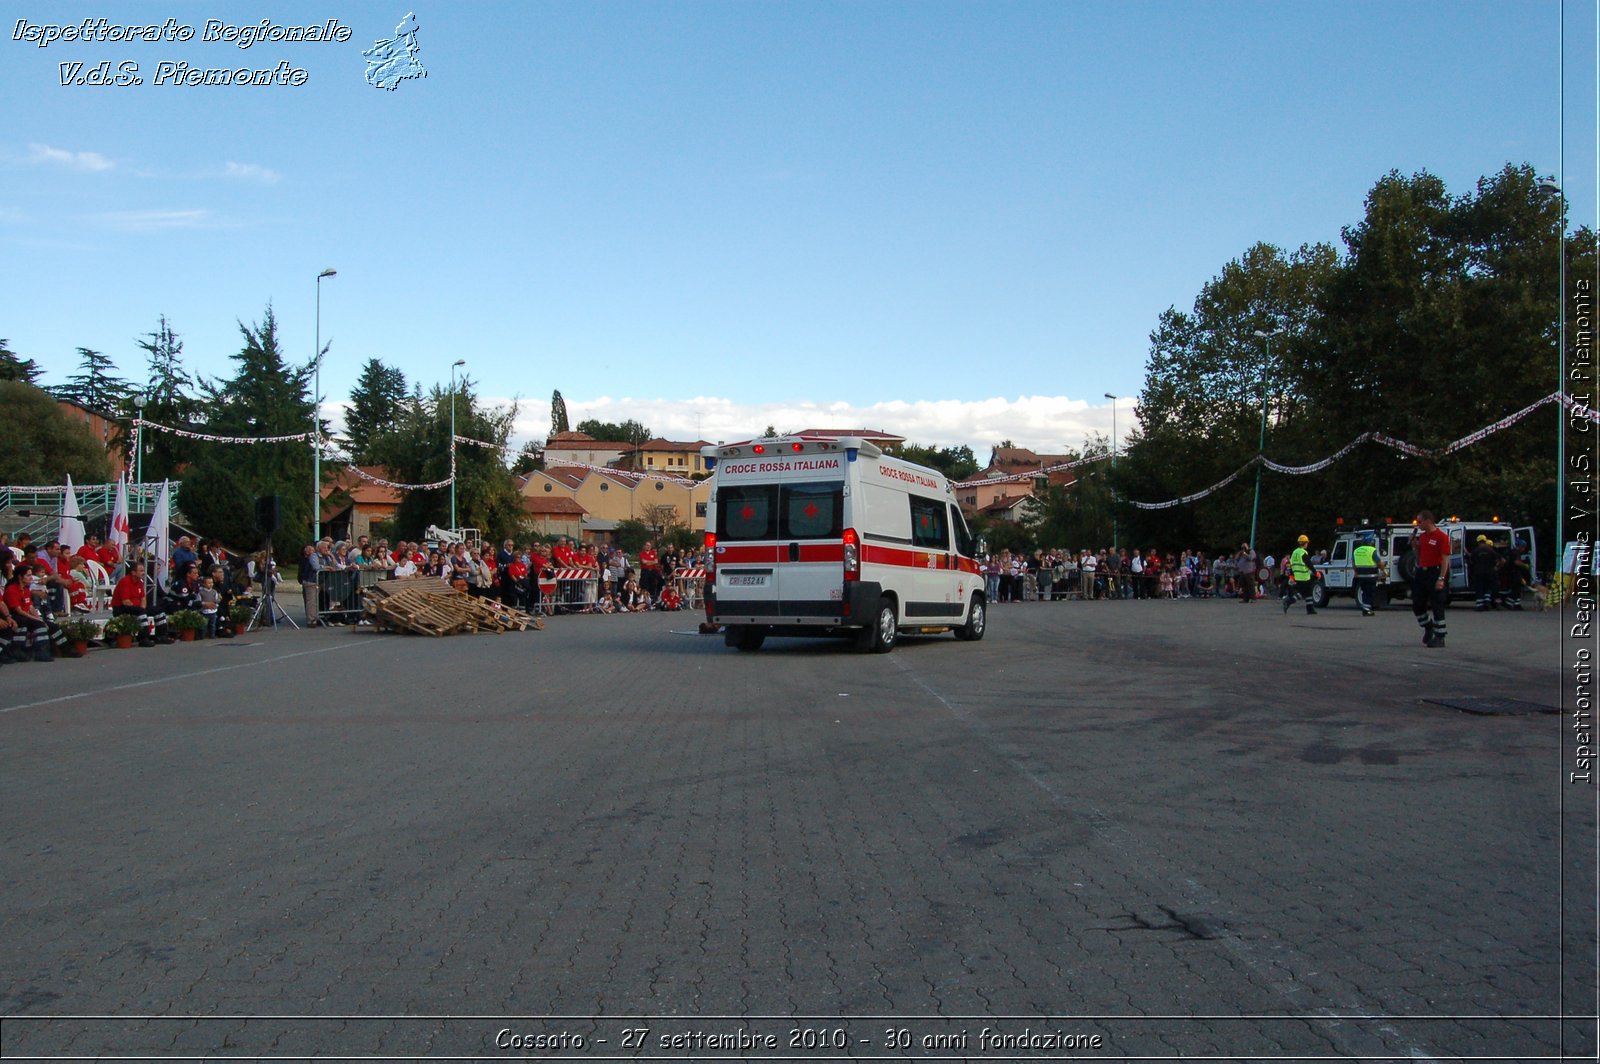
<point>811,509</point>
<point>747,513</point>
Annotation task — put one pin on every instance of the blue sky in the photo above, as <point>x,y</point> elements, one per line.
<point>955,221</point>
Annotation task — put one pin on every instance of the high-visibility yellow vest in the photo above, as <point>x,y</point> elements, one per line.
<point>1299,564</point>
<point>1366,556</point>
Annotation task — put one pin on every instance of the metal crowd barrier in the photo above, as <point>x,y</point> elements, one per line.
<point>339,592</point>
<point>574,590</point>
<point>691,586</point>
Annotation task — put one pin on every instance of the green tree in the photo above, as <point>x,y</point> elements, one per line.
<point>529,458</point>
<point>15,368</point>
<point>631,535</point>
<point>418,452</point>
<point>629,431</point>
<point>43,444</point>
<point>95,386</point>
<point>558,413</point>
<point>374,407</point>
<point>957,463</point>
<point>169,399</point>
<point>265,397</point>
<point>1207,374</point>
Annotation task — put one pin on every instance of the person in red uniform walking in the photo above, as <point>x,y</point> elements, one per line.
<point>1430,548</point>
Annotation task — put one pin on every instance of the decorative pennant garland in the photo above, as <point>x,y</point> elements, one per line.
<point>299,437</point>
<point>351,467</point>
<point>1388,441</point>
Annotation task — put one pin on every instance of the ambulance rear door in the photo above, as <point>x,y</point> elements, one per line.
<point>747,547</point>
<point>810,535</point>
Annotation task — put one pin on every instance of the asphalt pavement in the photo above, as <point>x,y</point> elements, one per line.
<point>1156,829</point>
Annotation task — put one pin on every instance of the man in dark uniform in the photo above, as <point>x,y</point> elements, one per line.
<point>1482,564</point>
<point>1431,551</point>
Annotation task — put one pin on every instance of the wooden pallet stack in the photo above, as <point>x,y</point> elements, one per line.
<point>427,605</point>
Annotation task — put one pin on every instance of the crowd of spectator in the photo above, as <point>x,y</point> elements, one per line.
<point>589,577</point>
<point>1112,573</point>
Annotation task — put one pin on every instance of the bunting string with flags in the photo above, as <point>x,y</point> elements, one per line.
<point>1387,441</point>
<point>1582,410</point>
<point>356,471</point>
<point>298,437</point>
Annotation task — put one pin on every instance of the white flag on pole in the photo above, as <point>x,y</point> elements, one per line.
<point>117,534</point>
<point>158,540</point>
<point>71,534</point>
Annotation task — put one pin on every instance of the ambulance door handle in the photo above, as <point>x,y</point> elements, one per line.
<point>794,552</point>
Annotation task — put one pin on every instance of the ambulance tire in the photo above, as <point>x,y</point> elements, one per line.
<point>885,630</point>
<point>742,638</point>
<point>1408,566</point>
<point>977,621</point>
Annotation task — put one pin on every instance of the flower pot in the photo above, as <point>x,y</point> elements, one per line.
<point>241,629</point>
<point>81,646</point>
<point>187,635</point>
<point>124,642</point>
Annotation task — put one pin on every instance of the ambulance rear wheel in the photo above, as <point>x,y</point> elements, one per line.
<point>880,638</point>
<point>977,619</point>
<point>745,638</point>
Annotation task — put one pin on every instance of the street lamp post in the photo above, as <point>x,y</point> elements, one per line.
<point>453,367</point>
<point>138,441</point>
<point>1113,399</point>
<point>1261,445</point>
<point>316,418</point>
<point>1547,185</point>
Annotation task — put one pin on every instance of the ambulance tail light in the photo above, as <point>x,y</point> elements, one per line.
<point>852,556</point>
<point>711,557</point>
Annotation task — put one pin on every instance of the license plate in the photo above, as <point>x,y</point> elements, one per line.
<point>747,581</point>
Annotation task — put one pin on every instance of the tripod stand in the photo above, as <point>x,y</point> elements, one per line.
<point>268,603</point>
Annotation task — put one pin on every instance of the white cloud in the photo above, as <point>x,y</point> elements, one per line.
<point>151,221</point>
<point>1046,423</point>
<point>88,161</point>
<point>252,172</point>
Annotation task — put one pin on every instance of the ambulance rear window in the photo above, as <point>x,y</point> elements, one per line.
<point>747,511</point>
<point>813,511</point>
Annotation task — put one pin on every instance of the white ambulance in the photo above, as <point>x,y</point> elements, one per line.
<point>830,536</point>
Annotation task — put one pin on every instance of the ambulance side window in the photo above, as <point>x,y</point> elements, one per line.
<point>966,546</point>
<point>928,524</point>
<point>747,511</point>
<point>813,511</point>
<point>1340,549</point>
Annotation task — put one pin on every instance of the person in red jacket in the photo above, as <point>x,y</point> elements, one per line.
<point>1430,549</point>
<point>128,600</point>
<point>42,632</point>
<point>650,569</point>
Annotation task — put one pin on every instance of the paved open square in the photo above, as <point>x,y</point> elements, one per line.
<point>1155,829</point>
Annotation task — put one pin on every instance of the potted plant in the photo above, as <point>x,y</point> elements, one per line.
<point>239,616</point>
<point>122,629</point>
<point>187,622</point>
<point>80,632</point>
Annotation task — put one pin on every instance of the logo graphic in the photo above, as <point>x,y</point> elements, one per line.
<point>393,61</point>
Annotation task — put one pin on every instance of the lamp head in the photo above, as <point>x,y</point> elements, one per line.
<point>1111,397</point>
<point>329,272</point>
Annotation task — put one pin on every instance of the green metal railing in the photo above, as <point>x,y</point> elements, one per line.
<point>44,504</point>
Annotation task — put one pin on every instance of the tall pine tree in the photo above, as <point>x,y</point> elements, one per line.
<point>264,397</point>
<point>558,413</point>
<point>375,407</point>
<point>15,368</point>
<point>169,399</point>
<point>95,386</point>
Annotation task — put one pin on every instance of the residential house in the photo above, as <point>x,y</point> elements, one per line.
<point>582,449</point>
<point>367,503</point>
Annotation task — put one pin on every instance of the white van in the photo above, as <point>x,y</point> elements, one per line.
<point>825,536</point>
